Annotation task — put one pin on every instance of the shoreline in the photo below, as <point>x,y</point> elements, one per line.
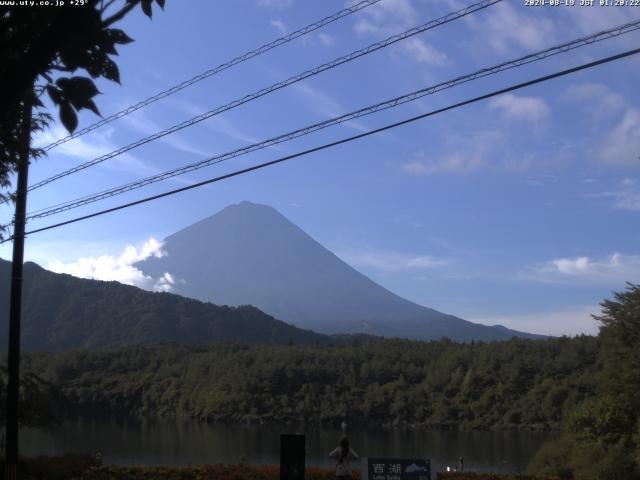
<point>389,426</point>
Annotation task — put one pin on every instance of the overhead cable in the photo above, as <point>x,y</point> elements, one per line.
<point>342,141</point>
<point>524,60</point>
<point>277,86</point>
<point>213,71</point>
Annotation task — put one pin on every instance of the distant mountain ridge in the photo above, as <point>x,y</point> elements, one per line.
<point>251,254</point>
<point>62,312</point>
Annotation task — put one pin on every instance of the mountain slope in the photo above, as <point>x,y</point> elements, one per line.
<point>62,312</point>
<point>251,254</point>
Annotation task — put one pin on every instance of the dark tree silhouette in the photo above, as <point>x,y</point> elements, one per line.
<point>41,49</point>
<point>600,438</point>
<point>41,403</point>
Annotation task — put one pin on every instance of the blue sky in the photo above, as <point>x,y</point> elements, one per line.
<point>520,210</point>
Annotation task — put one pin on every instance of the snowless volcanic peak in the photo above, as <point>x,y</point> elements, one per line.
<point>251,254</point>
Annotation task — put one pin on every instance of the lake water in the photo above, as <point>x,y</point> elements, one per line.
<point>190,443</point>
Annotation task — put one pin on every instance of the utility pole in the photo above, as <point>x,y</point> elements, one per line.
<point>13,384</point>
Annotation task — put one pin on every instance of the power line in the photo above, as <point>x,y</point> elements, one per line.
<point>277,86</point>
<point>524,60</point>
<point>343,140</point>
<point>223,66</point>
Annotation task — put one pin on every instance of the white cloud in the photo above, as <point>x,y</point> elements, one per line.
<point>571,266</point>
<point>394,16</point>
<point>366,27</point>
<point>621,145</point>
<point>597,18</point>
<point>504,27</point>
<point>627,197</point>
<point>463,155</point>
<point>383,15</point>
<point>41,248</point>
<point>279,25</point>
<point>598,99</point>
<point>422,52</point>
<point>572,320</point>
<point>451,163</point>
<point>388,261</point>
<point>326,39</point>
<point>165,283</point>
<point>119,268</point>
<point>616,268</point>
<point>275,3</point>
<point>513,107</point>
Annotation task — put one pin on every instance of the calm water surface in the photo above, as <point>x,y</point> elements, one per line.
<point>189,443</point>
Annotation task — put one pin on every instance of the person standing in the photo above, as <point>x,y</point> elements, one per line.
<point>343,455</point>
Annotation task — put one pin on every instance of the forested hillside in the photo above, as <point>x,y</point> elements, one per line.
<point>62,312</point>
<point>519,383</point>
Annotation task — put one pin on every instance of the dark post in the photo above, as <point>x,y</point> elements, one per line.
<point>462,464</point>
<point>13,383</point>
<point>292,457</point>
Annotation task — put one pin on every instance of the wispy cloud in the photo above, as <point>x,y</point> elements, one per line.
<point>386,13</point>
<point>626,197</point>
<point>388,261</point>
<point>461,157</point>
<point>226,127</point>
<point>326,39</point>
<point>519,108</point>
<point>143,124</point>
<point>323,104</point>
<point>218,123</point>
<point>597,99</point>
<point>119,268</point>
<point>275,3</point>
<point>394,16</point>
<point>92,146</point>
<point>542,180</point>
<point>280,26</point>
<point>621,144</point>
<point>408,220</point>
<point>590,20</point>
<point>614,120</point>
<point>451,163</point>
<point>312,38</point>
<point>616,268</point>
<point>422,52</point>
<point>506,28</point>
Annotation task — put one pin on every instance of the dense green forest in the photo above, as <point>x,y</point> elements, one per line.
<point>587,387</point>
<point>519,383</point>
<point>600,438</point>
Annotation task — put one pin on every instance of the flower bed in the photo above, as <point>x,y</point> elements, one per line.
<point>204,472</point>
<point>485,476</point>
<point>83,467</point>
